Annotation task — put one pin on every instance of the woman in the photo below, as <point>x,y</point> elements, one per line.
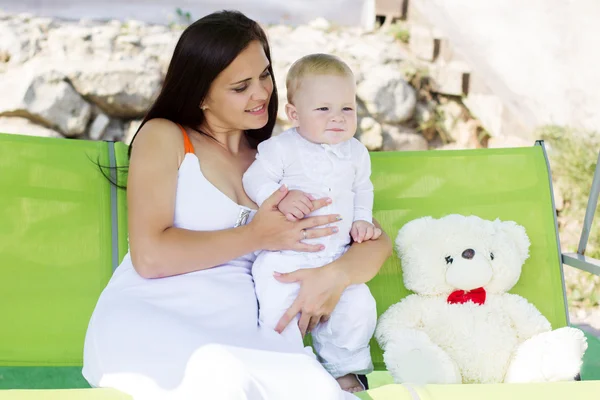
<point>178,318</point>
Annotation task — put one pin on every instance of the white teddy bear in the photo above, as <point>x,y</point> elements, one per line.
<point>461,325</point>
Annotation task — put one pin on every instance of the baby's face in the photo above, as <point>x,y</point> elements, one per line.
<point>324,108</point>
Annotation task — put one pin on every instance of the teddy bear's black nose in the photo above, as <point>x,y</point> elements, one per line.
<point>468,254</point>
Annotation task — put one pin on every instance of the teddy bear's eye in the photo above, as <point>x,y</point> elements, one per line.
<point>492,256</point>
<point>449,260</point>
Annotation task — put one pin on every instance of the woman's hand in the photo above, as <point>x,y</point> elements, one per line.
<point>320,291</point>
<point>321,288</point>
<point>274,231</point>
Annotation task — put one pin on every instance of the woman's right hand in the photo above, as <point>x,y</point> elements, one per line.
<point>275,232</point>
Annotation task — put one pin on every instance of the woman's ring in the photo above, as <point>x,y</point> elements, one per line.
<point>304,234</point>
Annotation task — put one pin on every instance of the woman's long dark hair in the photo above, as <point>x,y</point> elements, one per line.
<point>203,51</point>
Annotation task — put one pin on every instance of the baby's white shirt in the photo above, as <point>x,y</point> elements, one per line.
<point>341,172</point>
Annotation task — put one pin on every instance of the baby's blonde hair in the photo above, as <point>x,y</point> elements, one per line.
<point>311,65</point>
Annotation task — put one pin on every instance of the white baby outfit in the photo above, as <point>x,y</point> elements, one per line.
<point>342,173</point>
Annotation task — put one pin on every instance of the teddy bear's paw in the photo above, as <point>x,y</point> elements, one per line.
<point>548,357</point>
<point>564,356</point>
<point>420,364</point>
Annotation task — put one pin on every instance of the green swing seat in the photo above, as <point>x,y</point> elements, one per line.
<point>63,228</point>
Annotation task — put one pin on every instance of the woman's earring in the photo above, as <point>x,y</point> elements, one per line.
<point>203,108</point>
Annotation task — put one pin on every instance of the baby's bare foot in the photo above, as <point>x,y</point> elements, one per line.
<point>350,383</point>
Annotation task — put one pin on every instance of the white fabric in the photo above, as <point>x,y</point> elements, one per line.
<point>196,335</point>
<point>341,172</point>
<point>342,343</point>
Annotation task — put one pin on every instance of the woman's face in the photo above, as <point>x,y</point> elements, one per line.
<point>238,98</point>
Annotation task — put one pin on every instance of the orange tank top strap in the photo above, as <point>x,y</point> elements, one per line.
<point>187,143</point>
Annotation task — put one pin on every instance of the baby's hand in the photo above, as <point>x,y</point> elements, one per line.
<point>296,205</point>
<point>363,230</point>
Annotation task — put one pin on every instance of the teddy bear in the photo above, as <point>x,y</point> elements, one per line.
<point>461,325</point>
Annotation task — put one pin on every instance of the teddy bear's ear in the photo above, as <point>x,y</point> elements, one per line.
<point>410,233</point>
<point>518,235</point>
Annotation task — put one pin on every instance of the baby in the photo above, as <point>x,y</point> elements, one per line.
<point>318,158</point>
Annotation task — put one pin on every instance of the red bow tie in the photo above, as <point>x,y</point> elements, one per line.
<point>460,296</point>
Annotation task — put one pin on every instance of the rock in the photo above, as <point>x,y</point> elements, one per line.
<point>99,127</point>
<point>45,97</point>
<point>450,78</point>
<point>450,111</point>
<point>133,40</point>
<point>158,29</point>
<point>309,37</point>
<point>320,24</point>
<point>23,126</point>
<point>370,134</point>
<point>73,43</point>
<point>103,42</point>
<point>20,40</point>
<point>450,146</point>
<point>115,131</point>
<point>305,39</point>
<point>128,47</point>
<point>134,26</point>
<point>425,120</point>
<point>424,113</point>
<point>498,118</point>
<point>130,130</point>
<point>457,124</point>
<point>397,138</point>
<point>11,47</point>
<point>122,89</point>
<point>466,133</point>
<point>387,95</point>
<point>95,112</point>
<point>368,51</point>
<point>96,79</point>
<point>361,109</point>
<point>159,46</point>
<point>422,42</point>
<point>100,43</point>
<point>509,141</point>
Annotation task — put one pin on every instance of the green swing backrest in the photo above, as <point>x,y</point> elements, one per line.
<point>55,246</point>
<point>63,227</point>
<point>510,184</point>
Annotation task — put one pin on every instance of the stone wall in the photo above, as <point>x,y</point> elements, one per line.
<point>95,80</point>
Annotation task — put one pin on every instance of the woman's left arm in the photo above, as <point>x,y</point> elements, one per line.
<point>321,288</point>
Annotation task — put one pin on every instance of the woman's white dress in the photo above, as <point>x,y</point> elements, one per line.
<point>196,335</point>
